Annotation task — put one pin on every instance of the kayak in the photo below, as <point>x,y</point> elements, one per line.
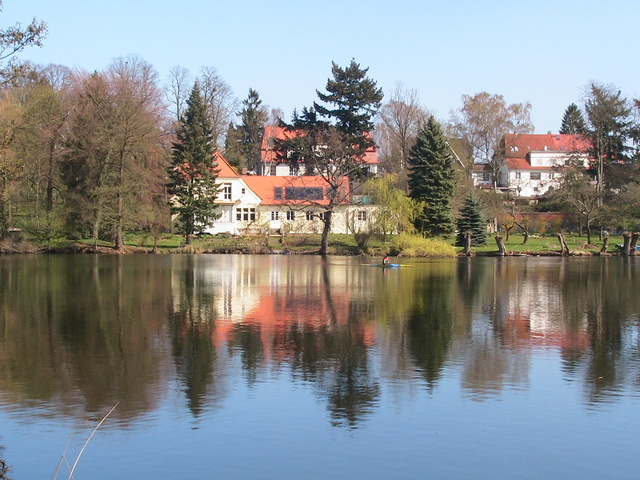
<point>388,265</point>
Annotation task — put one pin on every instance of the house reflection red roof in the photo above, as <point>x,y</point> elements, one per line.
<point>277,315</point>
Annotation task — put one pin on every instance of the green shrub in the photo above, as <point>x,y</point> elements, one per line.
<point>417,246</point>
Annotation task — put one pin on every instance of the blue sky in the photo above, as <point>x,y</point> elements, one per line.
<point>542,52</point>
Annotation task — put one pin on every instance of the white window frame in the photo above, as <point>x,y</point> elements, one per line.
<point>226,191</point>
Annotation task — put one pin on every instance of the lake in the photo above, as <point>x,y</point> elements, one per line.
<point>274,367</point>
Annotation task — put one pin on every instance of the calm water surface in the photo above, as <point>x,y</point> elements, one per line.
<point>274,367</point>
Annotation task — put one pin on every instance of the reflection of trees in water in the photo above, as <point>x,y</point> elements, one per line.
<point>585,308</point>
<point>246,339</point>
<point>335,357</point>
<point>193,322</point>
<point>604,295</point>
<point>105,318</point>
<point>4,467</point>
<point>82,338</point>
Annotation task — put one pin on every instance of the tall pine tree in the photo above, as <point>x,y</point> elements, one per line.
<point>432,179</point>
<point>472,220</point>
<point>251,129</point>
<point>334,148</point>
<point>351,102</point>
<point>573,121</point>
<point>193,171</point>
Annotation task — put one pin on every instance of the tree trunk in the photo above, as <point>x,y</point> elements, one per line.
<point>324,246</point>
<point>502,250</point>
<point>50,177</point>
<point>633,246</point>
<point>467,244</point>
<point>605,242</point>
<point>120,205</point>
<point>626,247</point>
<point>507,230</point>
<point>563,245</point>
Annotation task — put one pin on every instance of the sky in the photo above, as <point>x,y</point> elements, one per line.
<point>543,52</point>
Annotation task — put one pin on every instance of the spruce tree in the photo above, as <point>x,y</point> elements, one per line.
<point>431,179</point>
<point>573,121</point>
<point>472,220</point>
<point>251,129</point>
<point>193,171</point>
<point>233,147</point>
<point>334,148</point>
<point>351,101</point>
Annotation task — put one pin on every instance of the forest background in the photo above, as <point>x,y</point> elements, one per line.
<point>85,154</point>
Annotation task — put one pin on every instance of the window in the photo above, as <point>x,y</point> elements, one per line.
<point>275,215</point>
<point>310,216</point>
<point>245,214</point>
<point>552,175</point>
<point>226,191</point>
<point>304,193</point>
<point>243,191</point>
<point>277,193</point>
<point>272,169</point>
<point>535,176</point>
<point>291,215</point>
<point>518,175</point>
<point>486,176</point>
<point>362,215</point>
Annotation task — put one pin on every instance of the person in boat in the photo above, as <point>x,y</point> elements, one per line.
<point>385,260</point>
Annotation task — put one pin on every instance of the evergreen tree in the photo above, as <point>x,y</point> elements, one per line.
<point>233,148</point>
<point>252,129</point>
<point>573,121</point>
<point>193,172</point>
<point>334,148</point>
<point>431,179</point>
<point>472,220</point>
<point>355,99</point>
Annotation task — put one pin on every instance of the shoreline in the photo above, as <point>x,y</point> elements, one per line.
<point>132,250</point>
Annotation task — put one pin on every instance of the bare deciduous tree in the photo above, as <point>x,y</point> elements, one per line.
<point>399,121</point>
<point>177,90</point>
<point>220,101</point>
<point>482,121</point>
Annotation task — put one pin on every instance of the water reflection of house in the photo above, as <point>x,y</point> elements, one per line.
<point>536,319</point>
<point>284,299</point>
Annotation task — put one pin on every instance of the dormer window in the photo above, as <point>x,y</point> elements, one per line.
<point>514,148</point>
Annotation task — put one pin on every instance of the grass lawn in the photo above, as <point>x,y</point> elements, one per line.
<point>343,244</point>
<point>542,244</point>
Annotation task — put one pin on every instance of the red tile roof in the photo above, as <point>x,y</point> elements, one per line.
<point>224,169</point>
<point>265,187</point>
<point>523,164</point>
<point>520,145</point>
<point>275,131</point>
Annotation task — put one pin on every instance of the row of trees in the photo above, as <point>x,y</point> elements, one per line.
<point>88,154</point>
<point>606,193</point>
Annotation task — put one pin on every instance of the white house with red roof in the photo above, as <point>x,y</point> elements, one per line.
<point>532,161</point>
<point>259,203</point>
<point>270,166</point>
